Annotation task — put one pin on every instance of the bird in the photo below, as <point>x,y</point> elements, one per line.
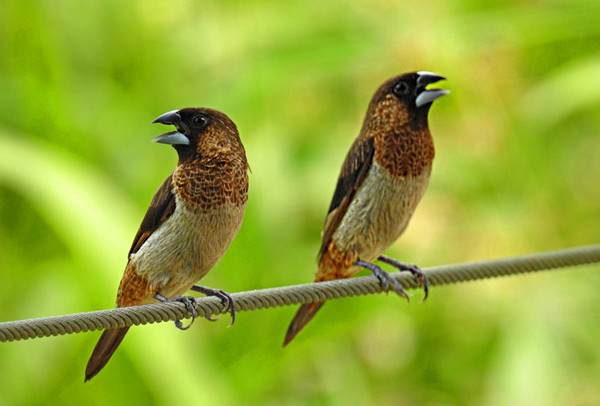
<point>192,219</point>
<point>382,180</point>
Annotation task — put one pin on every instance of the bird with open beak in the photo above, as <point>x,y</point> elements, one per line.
<point>382,180</point>
<point>192,219</point>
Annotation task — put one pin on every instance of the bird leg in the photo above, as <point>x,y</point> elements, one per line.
<point>384,278</point>
<point>188,301</point>
<point>415,270</point>
<point>226,299</point>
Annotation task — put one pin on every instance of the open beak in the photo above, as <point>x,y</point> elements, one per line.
<point>174,137</point>
<point>428,96</point>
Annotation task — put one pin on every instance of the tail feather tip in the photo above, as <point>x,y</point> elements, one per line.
<point>304,314</point>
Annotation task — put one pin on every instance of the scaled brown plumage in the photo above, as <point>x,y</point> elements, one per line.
<point>192,218</point>
<point>382,180</point>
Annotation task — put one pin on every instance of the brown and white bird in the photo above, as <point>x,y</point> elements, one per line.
<point>382,180</point>
<point>192,219</point>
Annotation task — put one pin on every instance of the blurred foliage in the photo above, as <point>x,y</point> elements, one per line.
<point>516,171</point>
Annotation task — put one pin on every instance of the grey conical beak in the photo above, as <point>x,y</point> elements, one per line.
<point>428,96</point>
<point>175,137</point>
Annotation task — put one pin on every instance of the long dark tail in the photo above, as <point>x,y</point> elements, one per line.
<point>105,348</point>
<point>304,314</point>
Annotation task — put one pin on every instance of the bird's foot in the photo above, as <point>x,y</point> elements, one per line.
<point>226,299</point>
<point>415,270</point>
<point>384,278</point>
<point>188,301</point>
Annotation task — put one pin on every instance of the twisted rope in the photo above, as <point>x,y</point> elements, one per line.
<point>291,295</point>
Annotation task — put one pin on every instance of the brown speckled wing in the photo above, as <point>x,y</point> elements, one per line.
<point>355,168</point>
<point>161,208</point>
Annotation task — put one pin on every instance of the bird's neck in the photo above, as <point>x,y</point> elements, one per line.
<point>215,175</point>
<point>405,151</point>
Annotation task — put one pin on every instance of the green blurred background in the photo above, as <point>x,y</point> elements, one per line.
<point>517,171</point>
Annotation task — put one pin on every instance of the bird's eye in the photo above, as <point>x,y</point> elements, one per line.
<point>401,89</point>
<point>199,121</point>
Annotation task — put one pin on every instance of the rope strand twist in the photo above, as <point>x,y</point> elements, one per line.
<point>291,295</point>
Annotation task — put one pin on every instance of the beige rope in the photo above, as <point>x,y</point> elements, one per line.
<point>290,295</point>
